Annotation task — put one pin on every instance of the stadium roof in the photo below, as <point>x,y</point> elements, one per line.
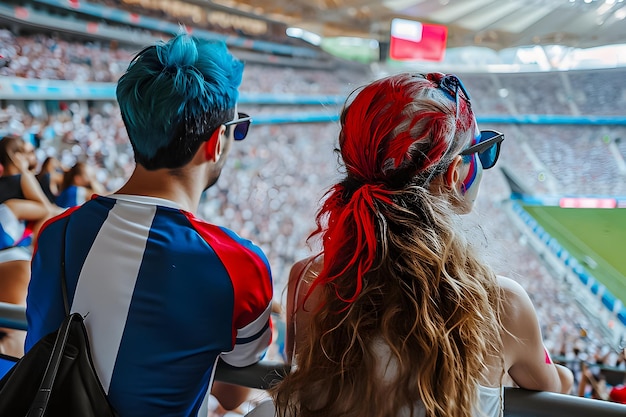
<point>496,24</point>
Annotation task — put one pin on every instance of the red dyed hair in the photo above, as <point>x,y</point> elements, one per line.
<point>386,142</point>
<point>407,313</point>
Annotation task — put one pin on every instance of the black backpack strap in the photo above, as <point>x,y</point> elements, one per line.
<point>40,402</point>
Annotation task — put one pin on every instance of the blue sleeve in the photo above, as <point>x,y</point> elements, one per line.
<point>67,198</point>
<point>44,303</point>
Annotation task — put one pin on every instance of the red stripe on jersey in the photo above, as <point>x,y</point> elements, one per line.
<point>248,273</point>
<point>52,220</point>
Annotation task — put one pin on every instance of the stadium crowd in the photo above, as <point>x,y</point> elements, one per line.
<point>53,58</point>
<point>277,176</point>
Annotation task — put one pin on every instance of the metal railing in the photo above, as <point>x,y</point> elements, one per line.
<point>12,316</point>
<point>517,402</point>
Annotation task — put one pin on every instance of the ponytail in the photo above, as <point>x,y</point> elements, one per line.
<point>350,236</point>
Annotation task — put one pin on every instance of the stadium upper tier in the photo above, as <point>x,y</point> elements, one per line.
<point>132,25</point>
<point>582,92</point>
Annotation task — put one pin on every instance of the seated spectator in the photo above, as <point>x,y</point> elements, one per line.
<point>165,295</point>
<point>398,314</point>
<point>79,184</point>
<point>605,378</point>
<point>31,157</point>
<point>18,182</point>
<point>14,270</point>
<point>595,381</point>
<point>50,177</point>
<point>23,208</point>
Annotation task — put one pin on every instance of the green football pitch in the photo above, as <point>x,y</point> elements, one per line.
<point>597,233</point>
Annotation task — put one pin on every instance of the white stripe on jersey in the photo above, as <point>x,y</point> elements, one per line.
<point>255,326</point>
<point>244,354</point>
<point>105,298</point>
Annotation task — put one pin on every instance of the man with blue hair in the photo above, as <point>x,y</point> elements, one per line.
<point>164,294</point>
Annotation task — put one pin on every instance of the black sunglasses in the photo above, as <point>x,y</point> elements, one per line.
<point>488,148</point>
<point>451,84</point>
<point>242,124</point>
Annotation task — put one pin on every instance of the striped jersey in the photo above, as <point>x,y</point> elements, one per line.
<point>163,293</point>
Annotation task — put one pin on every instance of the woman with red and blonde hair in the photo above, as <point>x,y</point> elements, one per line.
<point>398,316</point>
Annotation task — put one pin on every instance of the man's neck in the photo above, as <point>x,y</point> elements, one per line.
<point>182,188</point>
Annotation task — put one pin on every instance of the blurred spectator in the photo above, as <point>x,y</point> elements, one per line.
<point>79,185</point>
<point>23,209</point>
<point>50,177</point>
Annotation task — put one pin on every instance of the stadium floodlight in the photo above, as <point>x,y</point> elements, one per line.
<point>305,35</point>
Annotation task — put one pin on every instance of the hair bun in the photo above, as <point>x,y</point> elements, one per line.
<point>181,53</point>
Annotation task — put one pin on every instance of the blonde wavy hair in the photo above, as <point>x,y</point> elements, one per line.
<point>399,281</point>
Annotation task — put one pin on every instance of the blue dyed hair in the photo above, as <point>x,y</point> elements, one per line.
<point>174,95</point>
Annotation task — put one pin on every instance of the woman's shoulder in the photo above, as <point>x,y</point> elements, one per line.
<point>306,269</point>
<point>515,302</point>
<point>509,287</point>
<point>301,277</point>
<point>518,314</point>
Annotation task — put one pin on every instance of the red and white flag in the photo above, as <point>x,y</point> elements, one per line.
<point>415,41</point>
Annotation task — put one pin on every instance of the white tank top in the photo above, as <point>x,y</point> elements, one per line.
<point>491,405</point>
<point>490,399</point>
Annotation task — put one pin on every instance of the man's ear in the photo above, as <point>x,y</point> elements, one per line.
<point>213,146</point>
<point>453,176</point>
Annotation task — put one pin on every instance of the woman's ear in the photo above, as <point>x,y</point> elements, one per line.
<point>453,175</point>
<point>213,146</point>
